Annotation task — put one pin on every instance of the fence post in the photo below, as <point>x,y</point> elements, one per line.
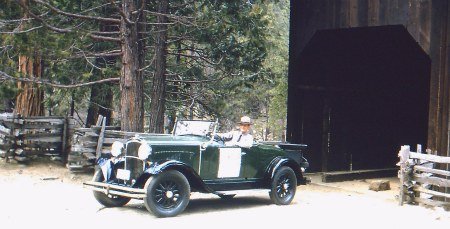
<point>64,151</point>
<point>101,137</point>
<point>404,156</point>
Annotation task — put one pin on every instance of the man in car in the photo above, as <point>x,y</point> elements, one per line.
<point>241,138</point>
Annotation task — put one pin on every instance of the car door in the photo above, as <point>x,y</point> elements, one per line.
<point>250,162</point>
<point>229,163</point>
<point>221,162</point>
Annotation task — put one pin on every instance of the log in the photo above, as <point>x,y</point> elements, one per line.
<point>5,147</point>
<point>428,157</point>
<point>101,138</point>
<point>44,118</point>
<point>42,126</point>
<point>11,120</point>
<point>435,203</point>
<point>4,133</point>
<point>98,128</point>
<point>419,188</point>
<point>32,136</point>
<point>88,144</point>
<point>110,141</point>
<point>65,140</point>
<point>41,144</point>
<point>11,125</point>
<point>99,120</point>
<point>441,182</point>
<point>89,156</point>
<point>78,148</point>
<point>120,134</point>
<point>43,121</point>
<point>45,139</point>
<point>39,152</point>
<point>430,170</point>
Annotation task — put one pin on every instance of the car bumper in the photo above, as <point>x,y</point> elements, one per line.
<point>117,190</point>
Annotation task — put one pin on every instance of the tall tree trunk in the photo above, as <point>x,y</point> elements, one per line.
<point>131,80</point>
<point>29,101</point>
<point>157,105</point>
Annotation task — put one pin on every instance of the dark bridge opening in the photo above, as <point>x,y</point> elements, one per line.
<point>356,95</point>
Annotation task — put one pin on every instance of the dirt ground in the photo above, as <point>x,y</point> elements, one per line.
<point>44,194</point>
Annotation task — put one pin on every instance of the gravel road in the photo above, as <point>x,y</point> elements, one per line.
<point>44,194</point>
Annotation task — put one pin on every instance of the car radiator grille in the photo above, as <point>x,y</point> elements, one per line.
<point>132,162</point>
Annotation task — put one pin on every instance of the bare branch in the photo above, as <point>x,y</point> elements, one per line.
<point>38,18</point>
<point>169,15</point>
<point>104,38</point>
<point>102,54</point>
<point>197,81</point>
<point>105,32</point>
<point>11,21</point>
<point>4,76</point>
<point>58,11</point>
<point>23,31</point>
<point>194,57</point>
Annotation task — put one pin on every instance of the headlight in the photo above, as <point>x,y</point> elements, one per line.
<point>116,148</point>
<point>144,150</point>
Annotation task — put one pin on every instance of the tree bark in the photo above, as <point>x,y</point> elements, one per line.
<point>131,80</point>
<point>157,105</point>
<point>29,101</point>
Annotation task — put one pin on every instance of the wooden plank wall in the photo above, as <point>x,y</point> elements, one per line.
<point>428,22</point>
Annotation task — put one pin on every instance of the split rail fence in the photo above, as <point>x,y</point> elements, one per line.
<point>89,143</point>
<point>22,137</point>
<point>424,178</point>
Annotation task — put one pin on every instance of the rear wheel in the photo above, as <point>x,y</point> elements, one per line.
<point>283,186</point>
<point>108,200</point>
<point>168,193</point>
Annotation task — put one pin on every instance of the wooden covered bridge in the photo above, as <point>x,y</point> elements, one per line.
<point>367,76</point>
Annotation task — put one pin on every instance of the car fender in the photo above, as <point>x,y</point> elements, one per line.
<point>194,179</point>
<point>277,163</point>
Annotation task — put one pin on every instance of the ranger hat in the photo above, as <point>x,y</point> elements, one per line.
<point>245,120</point>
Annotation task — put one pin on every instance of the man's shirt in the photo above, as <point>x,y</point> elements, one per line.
<point>238,139</point>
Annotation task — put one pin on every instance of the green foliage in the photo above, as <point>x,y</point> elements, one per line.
<point>220,59</point>
<point>277,63</point>
<point>225,58</point>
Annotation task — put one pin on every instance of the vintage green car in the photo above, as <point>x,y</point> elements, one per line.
<point>163,170</point>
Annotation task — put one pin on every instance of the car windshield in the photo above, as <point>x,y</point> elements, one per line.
<point>194,127</point>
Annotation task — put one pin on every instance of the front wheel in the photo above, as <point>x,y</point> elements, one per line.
<point>108,200</point>
<point>168,193</point>
<point>283,186</point>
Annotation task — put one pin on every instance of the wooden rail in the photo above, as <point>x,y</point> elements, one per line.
<point>22,137</point>
<point>424,178</point>
<point>89,143</point>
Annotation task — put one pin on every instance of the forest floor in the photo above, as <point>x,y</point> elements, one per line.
<point>45,194</point>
